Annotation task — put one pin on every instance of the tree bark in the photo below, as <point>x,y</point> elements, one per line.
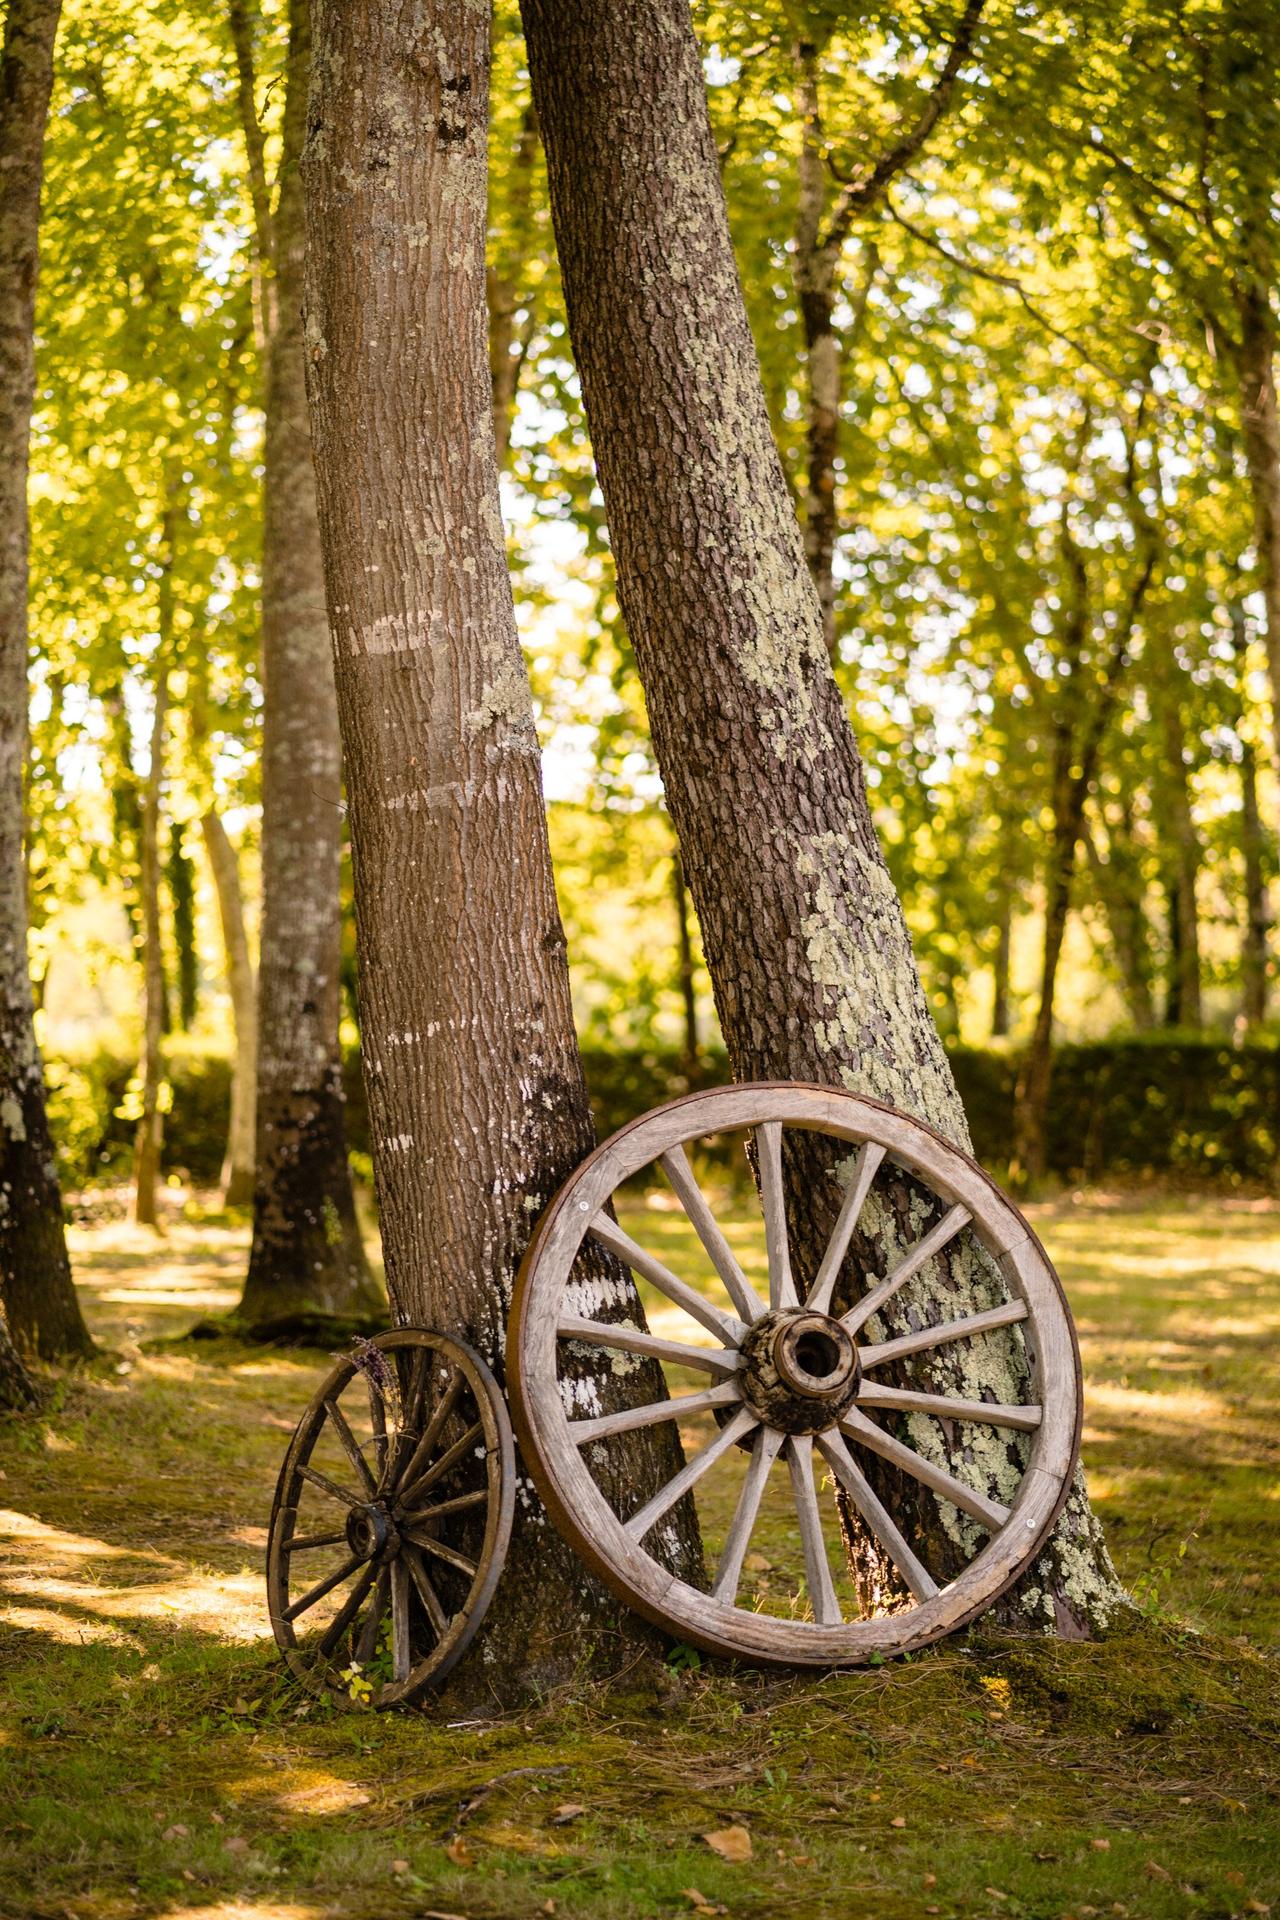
<point>478,1107</point>
<point>805,938</point>
<point>1253,952</point>
<point>238,1163</point>
<point>307,1254</point>
<point>35,1275</point>
<point>150,1136</point>
<point>1260,422</point>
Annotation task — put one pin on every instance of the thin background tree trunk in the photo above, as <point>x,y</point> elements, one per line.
<point>307,1254</point>
<point>478,1107</point>
<point>35,1275</point>
<point>805,938</point>
<point>1253,951</point>
<point>224,866</point>
<point>1260,421</point>
<point>146,1157</point>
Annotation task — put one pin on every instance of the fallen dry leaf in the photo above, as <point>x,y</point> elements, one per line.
<point>571,1810</point>
<point>731,1843</point>
<point>235,1845</point>
<point>930,1880</point>
<point>1235,1878</point>
<point>700,1903</point>
<point>995,1893</point>
<point>459,1852</point>
<point>434,1913</point>
<point>399,1866</point>
<point>1154,1871</point>
<point>1256,1906</point>
<point>756,1563</point>
<point>898,1820</point>
<point>1100,1846</point>
<point>175,1832</point>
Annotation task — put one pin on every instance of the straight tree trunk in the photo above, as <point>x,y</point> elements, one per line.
<point>238,1163</point>
<point>1253,953</point>
<point>1184,855</point>
<point>1260,421</point>
<point>805,937</point>
<point>1031,1095</point>
<point>35,1275</point>
<point>307,1255</point>
<point>150,1136</point>
<point>478,1107</point>
<point>691,1048</point>
<point>1121,891</point>
<point>1000,968</point>
<point>508,290</point>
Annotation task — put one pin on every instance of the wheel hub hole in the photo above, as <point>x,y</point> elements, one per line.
<point>817,1354</point>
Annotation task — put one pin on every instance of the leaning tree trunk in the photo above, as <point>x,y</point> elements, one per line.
<point>35,1275</point>
<point>805,937</point>
<point>307,1255</point>
<point>478,1107</point>
<point>237,1166</point>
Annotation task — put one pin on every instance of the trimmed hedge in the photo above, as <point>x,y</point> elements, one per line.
<point>1174,1104</point>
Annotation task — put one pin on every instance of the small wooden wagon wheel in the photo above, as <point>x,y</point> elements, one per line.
<point>391,1519</point>
<point>786,1380</point>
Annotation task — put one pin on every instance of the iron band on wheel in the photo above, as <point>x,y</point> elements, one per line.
<point>788,1379</point>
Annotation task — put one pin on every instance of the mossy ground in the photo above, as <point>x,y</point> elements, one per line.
<point>156,1760</point>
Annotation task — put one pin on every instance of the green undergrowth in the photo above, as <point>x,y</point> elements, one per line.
<point>156,1760</point>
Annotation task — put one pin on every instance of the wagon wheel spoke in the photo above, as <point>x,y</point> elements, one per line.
<point>782,1288</point>
<point>727,1329</point>
<point>441,1466</point>
<point>629,1418</point>
<point>401,1648</point>
<point>431,1433</point>
<point>308,1542</point>
<point>675,1164</point>
<point>430,1599</point>
<point>327,1585</point>
<point>367,1639</point>
<point>826,1608</point>
<point>459,1504</point>
<point>427,1543</point>
<point>350,1445</point>
<point>864,1172</point>
<point>1007,1315</point>
<point>876,1514</point>
<point>764,1451</point>
<point>857,1427</point>
<point>406,1433</point>
<point>943,1407</point>
<point>331,1487</point>
<point>351,1606</point>
<point>681,1483</point>
<point>600,1333</point>
<point>934,1241</point>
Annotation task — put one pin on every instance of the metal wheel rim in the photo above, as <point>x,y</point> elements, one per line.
<point>598,1534</point>
<point>318,1672</point>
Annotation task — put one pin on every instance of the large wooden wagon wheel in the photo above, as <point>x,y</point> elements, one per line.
<point>391,1519</point>
<point>784,1382</point>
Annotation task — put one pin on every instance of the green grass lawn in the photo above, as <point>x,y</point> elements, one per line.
<point>155,1759</point>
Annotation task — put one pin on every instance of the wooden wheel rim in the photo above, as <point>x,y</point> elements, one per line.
<point>312,1667</point>
<point>596,1531</point>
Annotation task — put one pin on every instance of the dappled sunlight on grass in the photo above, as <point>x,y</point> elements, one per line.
<point>165,1765</point>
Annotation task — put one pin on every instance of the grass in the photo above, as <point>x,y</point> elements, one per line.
<point>156,1760</point>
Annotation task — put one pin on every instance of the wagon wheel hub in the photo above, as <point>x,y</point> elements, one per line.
<point>371,1534</point>
<point>799,1370</point>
